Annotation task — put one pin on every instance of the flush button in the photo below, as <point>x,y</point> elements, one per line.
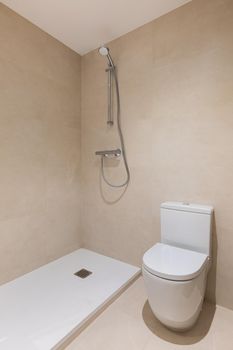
<point>186,203</point>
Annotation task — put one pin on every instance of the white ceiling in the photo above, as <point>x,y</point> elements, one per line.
<point>83,25</point>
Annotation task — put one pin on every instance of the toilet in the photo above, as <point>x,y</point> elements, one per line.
<point>175,270</point>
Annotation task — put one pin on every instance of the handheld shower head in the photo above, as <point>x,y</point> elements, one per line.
<point>104,51</point>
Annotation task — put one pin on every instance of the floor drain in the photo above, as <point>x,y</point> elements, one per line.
<point>83,273</point>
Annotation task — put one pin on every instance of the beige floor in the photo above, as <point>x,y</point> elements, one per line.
<point>129,324</point>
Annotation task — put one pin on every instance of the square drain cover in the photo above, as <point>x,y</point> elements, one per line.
<point>83,273</point>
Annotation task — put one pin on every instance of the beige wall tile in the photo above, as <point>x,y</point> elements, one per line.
<point>39,147</point>
<point>176,83</point>
<point>175,77</point>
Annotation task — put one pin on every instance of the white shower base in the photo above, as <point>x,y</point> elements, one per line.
<point>41,309</point>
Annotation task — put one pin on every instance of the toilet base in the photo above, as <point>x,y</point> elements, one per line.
<point>181,328</point>
<point>176,304</point>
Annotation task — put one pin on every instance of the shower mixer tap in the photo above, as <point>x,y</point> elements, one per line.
<point>115,153</point>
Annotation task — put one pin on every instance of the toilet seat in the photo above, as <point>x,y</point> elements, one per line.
<point>173,263</point>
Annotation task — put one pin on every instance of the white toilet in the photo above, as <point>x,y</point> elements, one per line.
<point>175,270</point>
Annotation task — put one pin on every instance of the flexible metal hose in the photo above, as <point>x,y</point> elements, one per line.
<point>125,183</point>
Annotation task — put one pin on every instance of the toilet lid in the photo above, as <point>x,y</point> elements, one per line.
<point>174,263</point>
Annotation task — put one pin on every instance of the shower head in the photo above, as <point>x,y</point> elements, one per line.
<point>104,51</point>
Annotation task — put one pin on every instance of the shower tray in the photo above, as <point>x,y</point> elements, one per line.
<point>44,308</point>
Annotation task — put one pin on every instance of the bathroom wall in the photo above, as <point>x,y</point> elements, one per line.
<point>176,84</point>
<point>39,147</point>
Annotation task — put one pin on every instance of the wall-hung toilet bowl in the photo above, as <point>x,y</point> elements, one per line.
<point>175,281</point>
<point>175,270</point>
